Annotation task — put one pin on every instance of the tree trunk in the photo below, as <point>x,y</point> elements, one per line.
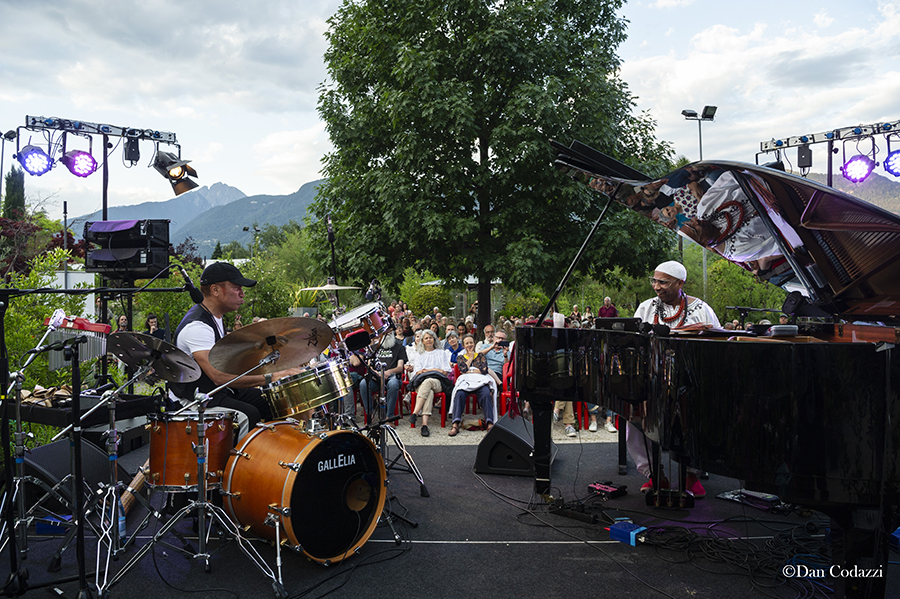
<point>485,315</point>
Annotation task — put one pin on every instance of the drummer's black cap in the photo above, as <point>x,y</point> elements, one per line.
<point>218,272</point>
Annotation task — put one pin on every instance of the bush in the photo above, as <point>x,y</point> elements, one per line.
<point>426,298</point>
<point>532,303</point>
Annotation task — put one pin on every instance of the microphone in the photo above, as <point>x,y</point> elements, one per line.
<point>357,340</point>
<point>196,294</point>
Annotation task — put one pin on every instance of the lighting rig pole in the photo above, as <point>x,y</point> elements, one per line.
<point>708,114</point>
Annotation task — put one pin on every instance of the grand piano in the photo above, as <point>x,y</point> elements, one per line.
<point>808,412</point>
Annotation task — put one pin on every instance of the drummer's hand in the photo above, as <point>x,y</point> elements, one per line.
<point>289,372</point>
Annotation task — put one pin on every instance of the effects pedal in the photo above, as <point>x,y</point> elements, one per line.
<point>607,490</point>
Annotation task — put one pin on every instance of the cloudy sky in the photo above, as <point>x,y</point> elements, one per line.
<point>237,82</point>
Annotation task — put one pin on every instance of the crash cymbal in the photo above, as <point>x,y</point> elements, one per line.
<point>329,287</point>
<point>298,339</point>
<point>167,361</point>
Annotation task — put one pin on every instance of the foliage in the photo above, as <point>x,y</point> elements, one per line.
<point>441,115</point>
<point>427,297</point>
<point>23,325</point>
<point>174,304</point>
<point>217,252</point>
<point>731,285</point>
<point>412,282</point>
<point>188,251</point>
<point>271,297</point>
<point>531,303</point>
<point>14,202</point>
<point>233,250</point>
<point>294,258</point>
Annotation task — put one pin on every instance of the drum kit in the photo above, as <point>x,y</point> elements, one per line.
<point>315,485</point>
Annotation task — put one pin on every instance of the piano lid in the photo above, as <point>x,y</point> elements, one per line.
<point>839,252</point>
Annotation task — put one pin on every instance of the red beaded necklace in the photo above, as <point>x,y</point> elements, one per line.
<point>681,312</point>
<point>731,226</point>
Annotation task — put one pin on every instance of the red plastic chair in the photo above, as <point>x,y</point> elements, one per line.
<point>508,394</point>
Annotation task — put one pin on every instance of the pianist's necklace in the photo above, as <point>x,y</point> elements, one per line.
<point>733,214</point>
<point>680,313</point>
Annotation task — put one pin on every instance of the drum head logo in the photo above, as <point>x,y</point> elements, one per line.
<point>338,462</point>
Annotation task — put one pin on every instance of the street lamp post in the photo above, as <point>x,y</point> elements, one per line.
<point>708,114</point>
<point>253,238</point>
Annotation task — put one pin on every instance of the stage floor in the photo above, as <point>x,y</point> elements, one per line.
<point>489,536</point>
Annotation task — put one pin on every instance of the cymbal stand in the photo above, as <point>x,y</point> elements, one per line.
<point>377,434</point>
<point>203,508</point>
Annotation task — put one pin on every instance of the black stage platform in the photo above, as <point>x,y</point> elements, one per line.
<point>477,537</point>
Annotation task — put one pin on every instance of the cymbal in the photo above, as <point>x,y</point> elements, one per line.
<point>329,287</point>
<point>298,339</point>
<point>167,361</point>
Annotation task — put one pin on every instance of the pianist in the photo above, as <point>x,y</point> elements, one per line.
<point>674,308</point>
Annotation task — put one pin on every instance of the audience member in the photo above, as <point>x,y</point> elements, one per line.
<point>473,378</point>
<point>608,309</point>
<point>430,372</point>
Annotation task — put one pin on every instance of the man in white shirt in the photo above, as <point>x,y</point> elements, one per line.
<point>674,308</point>
<point>223,292</point>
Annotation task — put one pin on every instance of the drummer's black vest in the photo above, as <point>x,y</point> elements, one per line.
<point>204,383</point>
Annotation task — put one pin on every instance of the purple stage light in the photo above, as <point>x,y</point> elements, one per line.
<point>892,163</point>
<point>79,163</point>
<point>34,160</point>
<point>858,168</point>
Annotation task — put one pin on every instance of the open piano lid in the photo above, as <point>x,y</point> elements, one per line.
<point>837,251</point>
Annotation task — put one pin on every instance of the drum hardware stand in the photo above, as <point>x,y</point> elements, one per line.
<point>108,496</point>
<point>203,508</point>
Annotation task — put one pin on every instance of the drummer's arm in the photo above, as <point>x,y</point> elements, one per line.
<point>220,378</point>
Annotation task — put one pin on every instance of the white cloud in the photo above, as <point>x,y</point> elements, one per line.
<point>291,158</point>
<point>672,3</point>
<point>822,19</point>
<point>769,80</point>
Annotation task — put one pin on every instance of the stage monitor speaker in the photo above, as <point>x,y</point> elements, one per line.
<point>52,462</point>
<point>116,234</point>
<point>508,448</point>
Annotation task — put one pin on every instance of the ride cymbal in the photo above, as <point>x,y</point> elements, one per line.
<point>298,339</point>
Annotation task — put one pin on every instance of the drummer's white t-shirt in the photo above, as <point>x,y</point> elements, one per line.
<point>197,336</point>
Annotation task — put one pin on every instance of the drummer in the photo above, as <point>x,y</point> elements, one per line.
<point>223,292</point>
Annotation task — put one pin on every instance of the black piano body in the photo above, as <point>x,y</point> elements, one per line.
<point>810,421</point>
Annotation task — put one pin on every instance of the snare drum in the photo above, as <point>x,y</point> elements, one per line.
<point>333,484</point>
<point>372,318</point>
<point>311,388</point>
<point>173,463</point>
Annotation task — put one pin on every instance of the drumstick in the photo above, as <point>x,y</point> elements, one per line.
<point>135,486</point>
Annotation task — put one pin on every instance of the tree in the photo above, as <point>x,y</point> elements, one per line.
<point>217,252</point>
<point>14,202</point>
<point>441,113</point>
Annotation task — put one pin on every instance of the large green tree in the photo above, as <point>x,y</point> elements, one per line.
<point>14,201</point>
<point>441,112</point>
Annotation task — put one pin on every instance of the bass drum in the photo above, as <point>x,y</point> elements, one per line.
<point>333,483</point>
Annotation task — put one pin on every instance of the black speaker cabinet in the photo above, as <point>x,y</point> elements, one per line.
<point>508,448</point>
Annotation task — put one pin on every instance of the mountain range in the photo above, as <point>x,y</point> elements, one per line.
<point>219,213</point>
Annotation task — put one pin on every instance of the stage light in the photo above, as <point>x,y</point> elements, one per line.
<point>176,171</point>
<point>858,168</point>
<point>34,160</point>
<point>79,163</point>
<point>892,163</point>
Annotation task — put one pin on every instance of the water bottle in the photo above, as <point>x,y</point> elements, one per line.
<point>123,532</point>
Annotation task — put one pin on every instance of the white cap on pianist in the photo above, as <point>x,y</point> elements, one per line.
<point>673,268</point>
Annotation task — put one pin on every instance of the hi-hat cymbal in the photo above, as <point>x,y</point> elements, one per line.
<point>298,339</point>
<point>167,361</point>
<point>329,287</point>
